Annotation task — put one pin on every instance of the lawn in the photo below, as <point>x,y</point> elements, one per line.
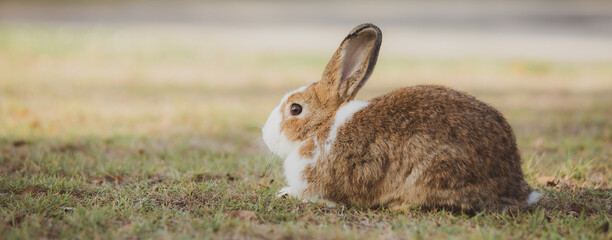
<point>155,133</point>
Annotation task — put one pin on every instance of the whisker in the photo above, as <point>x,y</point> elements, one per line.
<point>268,156</point>
<point>257,143</point>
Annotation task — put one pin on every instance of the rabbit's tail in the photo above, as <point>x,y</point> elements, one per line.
<point>533,197</point>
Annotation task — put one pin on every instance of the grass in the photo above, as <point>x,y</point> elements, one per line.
<point>116,133</point>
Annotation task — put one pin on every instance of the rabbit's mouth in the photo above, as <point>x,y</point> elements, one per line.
<point>271,131</point>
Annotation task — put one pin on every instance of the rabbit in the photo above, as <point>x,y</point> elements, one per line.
<point>423,146</point>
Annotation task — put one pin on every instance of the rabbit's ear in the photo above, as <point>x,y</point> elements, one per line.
<point>353,62</point>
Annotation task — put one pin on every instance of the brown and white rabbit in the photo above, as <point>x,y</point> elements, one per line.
<point>426,145</point>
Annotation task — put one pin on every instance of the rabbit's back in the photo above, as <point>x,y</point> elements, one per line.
<point>424,145</point>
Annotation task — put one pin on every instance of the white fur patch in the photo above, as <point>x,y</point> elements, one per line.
<point>293,167</point>
<point>343,115</point>
<point>533,197</point>
<point>414,175</point>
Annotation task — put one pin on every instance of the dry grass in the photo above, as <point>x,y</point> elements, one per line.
<point>110,133</point>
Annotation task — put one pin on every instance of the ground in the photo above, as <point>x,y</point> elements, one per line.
<point>123,132</point>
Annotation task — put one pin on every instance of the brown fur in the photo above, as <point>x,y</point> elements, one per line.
<point>463,151</point>
<point>424,146</point>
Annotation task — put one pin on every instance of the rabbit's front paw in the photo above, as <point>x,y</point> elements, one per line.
<point>283,192</point>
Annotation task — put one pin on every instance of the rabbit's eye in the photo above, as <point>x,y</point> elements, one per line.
<point>295,109</point>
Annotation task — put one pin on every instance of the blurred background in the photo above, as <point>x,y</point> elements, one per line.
<point>143,118</point>
<point>205,74</point>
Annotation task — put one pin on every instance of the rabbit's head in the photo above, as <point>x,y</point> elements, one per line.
<point>308,111</point>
